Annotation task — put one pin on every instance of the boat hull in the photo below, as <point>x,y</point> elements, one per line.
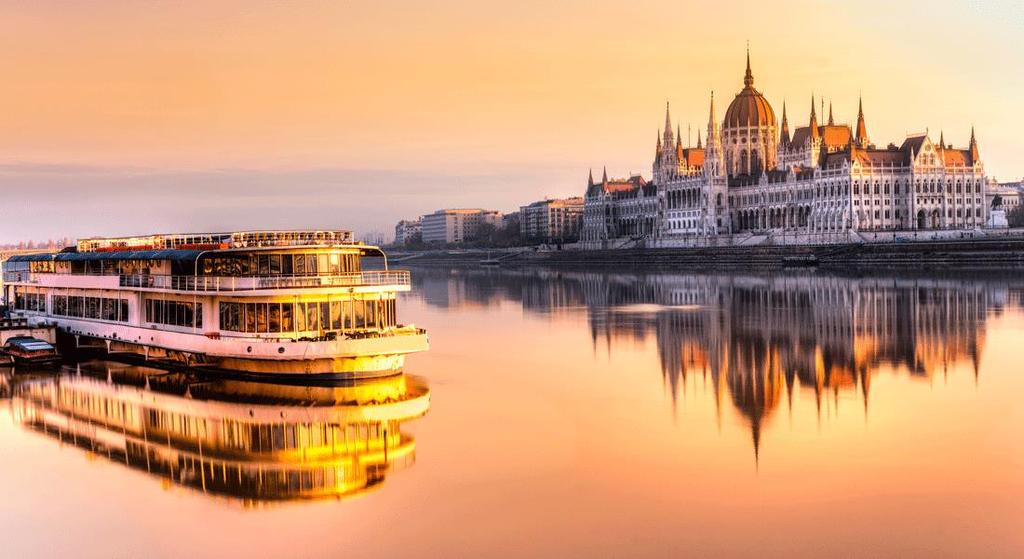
<point>353,358</point>
<point>37,360</point>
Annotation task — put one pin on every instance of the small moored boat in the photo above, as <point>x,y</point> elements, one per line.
<point>26,350</point>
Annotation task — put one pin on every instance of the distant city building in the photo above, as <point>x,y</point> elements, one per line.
<point>509,220</point>
<point>406,231</point>
<point>822,183</point>
<point>456,225</point>
<point>558,220</point>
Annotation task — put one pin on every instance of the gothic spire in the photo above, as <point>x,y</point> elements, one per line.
<point>812,126</point>
<point>668,127</point>
<point>973,147</point>
<point>713,158</point>
<point>604,176</point>
<point>698,139</point>
<point>942,139</point>
<point>712,121</point>
<point>679,144</point>
<point>830,121</point>
<point>785,125</point>
<point>862,130</point>
<point>590,179</point>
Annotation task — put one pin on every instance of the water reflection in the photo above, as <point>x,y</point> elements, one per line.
<point>255,442</point>
<point>758,338</point>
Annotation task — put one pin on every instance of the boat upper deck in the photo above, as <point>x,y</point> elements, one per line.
<point>235,262</point>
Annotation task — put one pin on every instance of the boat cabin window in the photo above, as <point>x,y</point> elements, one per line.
<point>110,267</point>
<point>174,313</point>
<point>279,264</point>
<point>43,266</point>
<point>25,300</point>
<point>99,308</point>
<point>308,317</point>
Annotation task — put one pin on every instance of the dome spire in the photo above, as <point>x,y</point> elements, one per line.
<point>748,78</point>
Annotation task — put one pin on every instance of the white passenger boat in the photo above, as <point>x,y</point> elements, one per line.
<point>279,302</point>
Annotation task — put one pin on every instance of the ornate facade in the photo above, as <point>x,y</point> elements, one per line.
<point>619,209</point>
<point>754,178</point>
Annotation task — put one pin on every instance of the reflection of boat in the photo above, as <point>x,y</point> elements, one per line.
<point>253,441</point>
<point>6,378</point>
<point>26,350</point>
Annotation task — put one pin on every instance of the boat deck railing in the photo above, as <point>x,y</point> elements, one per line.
<point>400,278</point>
<point>253,283</point>
<point>13,322</point>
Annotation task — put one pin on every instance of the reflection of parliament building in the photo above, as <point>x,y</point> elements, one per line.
<point>760,337</point>
<point>252,441</point>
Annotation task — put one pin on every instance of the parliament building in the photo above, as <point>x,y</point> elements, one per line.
<point>754,179</point>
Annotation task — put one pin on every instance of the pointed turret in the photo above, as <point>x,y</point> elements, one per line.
<point>862,130</point>
<point>604,175</point>
<point>712,119</point>
<point>812,125</point>
<point>668,128</point>
<point>714,164</point>
<point>698,140</point>
<point>830,121</point>
<point>942,139</point>
<point>679,144</point>
<point>590,179</point>
<point>974,148</point>
<point>657,147</point>
<point>784,139</point>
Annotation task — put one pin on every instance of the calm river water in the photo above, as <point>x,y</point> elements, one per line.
<point>562,414</point>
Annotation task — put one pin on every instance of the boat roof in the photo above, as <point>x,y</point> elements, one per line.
<point>29,344</point>
<point>179,255</point>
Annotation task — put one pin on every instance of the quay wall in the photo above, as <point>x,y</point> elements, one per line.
<point>988,252</point>
<point>962,254</point>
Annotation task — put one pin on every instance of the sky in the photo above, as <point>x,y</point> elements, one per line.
<point>129,117</point>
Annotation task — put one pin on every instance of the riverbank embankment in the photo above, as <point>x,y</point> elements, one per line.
<point>967,254</point>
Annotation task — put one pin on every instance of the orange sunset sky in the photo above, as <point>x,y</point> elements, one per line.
<point>126,117</point>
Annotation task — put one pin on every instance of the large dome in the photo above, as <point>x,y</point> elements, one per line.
<point>749,108</point>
